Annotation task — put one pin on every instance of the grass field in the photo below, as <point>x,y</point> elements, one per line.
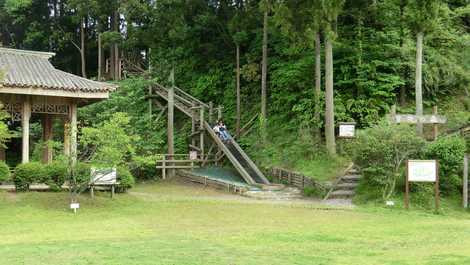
<point>170,223</point>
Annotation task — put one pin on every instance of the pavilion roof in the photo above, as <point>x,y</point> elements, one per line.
<point>31,69</point>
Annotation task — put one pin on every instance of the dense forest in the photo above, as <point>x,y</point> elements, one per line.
<point>289,61</point>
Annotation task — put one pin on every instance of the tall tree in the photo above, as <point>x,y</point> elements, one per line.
<point>330,9</point>
<point>422,17</point>
<point>265,7</point>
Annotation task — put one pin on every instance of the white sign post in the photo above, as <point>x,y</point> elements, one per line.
<point>347,129</point>
<point>422,171</point>
<point>74,206</point>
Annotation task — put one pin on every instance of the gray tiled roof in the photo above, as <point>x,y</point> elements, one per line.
<point>20,68</point>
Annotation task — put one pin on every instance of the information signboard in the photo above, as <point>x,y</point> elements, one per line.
<point>347,130</point>
<point>422,171</point>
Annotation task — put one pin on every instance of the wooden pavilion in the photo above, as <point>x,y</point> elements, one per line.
<point>29,84</point>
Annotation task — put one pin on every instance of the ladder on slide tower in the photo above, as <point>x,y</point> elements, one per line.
<point>194,109</point>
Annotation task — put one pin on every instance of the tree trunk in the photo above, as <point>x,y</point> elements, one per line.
<point>317,86</point>
<point>419,81</point>
<point>82,46</point>
<point>329,101</point>
<point>238,93</point>
<point>264,67</point>
<point>117,65</point>
<point>402,37</point>
<point>100,57</point>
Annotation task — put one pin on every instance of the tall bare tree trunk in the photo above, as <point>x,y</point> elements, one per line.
<point>329,100</point>
<point>117,65</point>
<point>82,46</point>
<point>402,36</point>
<point>238,93</point>
<point>100,57</point>
<point>419,81</point>
<point>317,85</point>
<point>264,69</point>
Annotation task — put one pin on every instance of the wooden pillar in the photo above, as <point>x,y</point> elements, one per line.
<point>73,132</point>
<point>193,126</point>
<point>435,126</point>
<point>219,113</point>
<point>26,115</point>
<point>201,129</point>
<point>47,136</point>
<point>211,112</point>
<point>170,129</point>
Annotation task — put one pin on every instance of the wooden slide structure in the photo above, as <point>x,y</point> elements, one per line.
<point>195,109</point>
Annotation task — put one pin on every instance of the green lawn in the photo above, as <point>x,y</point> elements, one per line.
<point>168,223</point>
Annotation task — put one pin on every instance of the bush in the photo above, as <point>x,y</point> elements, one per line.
<point>125,179</point>
<point>56,173</point>
<point>450,152</point>
<point>83,172</point>
<point>381,152</point>
<point>28,173</point>
<point>4,172</point>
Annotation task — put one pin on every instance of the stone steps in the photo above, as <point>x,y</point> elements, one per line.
<point>346,186</point>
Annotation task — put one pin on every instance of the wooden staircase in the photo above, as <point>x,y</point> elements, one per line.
<point>196,110</point>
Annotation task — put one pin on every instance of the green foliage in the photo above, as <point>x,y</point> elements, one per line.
<point>449,151</point>
<point>29,173</point>
<point>4,172</point>
<point>56,173</point>
<point>381,152</point>
<point>82,173</point>
<point>125,179</point>
<point>109,143</point>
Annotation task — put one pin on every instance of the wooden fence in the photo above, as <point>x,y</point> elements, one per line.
<point>296,179</point>
<point>181,161</point>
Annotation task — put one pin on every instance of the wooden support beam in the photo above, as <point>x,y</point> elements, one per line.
<point>195,148</point>
<point>211,112</point>
<point>47,137</point>
<point>201,127</point>
<point>25,117</point>
<point>171,124</point>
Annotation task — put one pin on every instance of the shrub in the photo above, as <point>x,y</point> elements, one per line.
<point>381,152</point>
<point>28,173</point>
<point>450,152</point>
<point>4,171</point>
<point>125,179</point>
<point>83,172</point>
<point>56,173</point>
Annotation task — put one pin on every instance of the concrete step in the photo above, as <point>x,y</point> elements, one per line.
<point>353,171</point>
<point>341,194</point>
<point>351,178</point>
<point>346,186</point>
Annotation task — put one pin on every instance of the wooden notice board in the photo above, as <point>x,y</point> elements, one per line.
<point>422,171</point>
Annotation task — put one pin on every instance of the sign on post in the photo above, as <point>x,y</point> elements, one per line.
<point>422,171</point>
<point>347,129</point>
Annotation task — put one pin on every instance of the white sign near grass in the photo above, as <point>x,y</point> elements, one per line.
<point>422,170</point>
